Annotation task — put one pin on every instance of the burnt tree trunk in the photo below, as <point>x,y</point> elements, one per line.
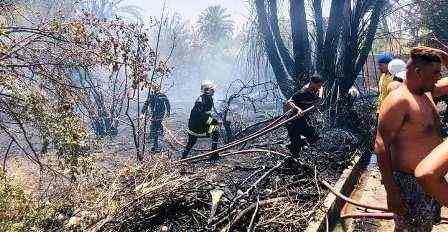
<point>283,78</point>
<point>282,49</point>
<point>340,48</point>
<point>300,41</point>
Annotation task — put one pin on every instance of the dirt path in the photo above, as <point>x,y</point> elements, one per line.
<point>371,191</point>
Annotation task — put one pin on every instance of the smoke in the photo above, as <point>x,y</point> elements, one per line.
<point>194,58</point>
<point>227,61</point>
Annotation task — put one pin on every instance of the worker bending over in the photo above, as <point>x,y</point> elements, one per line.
<point>299,127</point>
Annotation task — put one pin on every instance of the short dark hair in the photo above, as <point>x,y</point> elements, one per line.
<point>316,78</point>
<point>420,57</point>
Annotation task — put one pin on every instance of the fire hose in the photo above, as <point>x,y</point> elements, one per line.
<point>386,214</point>
<point>173,137</point>
<point>272,126</point>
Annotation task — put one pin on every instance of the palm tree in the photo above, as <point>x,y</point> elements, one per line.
<point>214,24</point>
<point>108,9</point>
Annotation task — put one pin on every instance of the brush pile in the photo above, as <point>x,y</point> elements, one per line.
<point>257,186</point>
<point>260,188</point>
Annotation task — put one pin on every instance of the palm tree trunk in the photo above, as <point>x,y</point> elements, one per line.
<point>282,49</point>
<point>284,82</point>
<point>300,40</point>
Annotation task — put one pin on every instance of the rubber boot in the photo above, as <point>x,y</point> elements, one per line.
<point>185,154</point>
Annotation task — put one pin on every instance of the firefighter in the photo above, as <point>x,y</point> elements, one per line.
<point>160,108</point>
<point>201,123</point>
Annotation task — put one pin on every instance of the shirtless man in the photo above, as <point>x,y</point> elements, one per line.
<point>432,170</point>
<point>408,130</point>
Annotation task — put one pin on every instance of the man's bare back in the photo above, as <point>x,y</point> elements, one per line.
<point>419,132</point>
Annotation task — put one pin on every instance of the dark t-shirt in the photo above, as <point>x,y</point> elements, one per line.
<point>304,99</point>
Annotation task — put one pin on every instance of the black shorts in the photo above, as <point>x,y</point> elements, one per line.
<point>300,127</point>
<point>423,210</point>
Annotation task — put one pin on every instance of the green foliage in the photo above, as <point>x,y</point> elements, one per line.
<point>54,121</point>
<point>214,24</point>
<point>18,212</point>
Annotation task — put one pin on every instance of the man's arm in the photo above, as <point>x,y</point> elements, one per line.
<point>441,88</point>
<point>300,97</point>
<point>431,173</point>
<point>391,118</point>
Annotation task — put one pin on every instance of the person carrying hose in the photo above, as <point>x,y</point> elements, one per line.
<point>298,128</point>
<point>201,122</point>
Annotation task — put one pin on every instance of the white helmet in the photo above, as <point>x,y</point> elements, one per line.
<point>207,84</point>
<point>396,66</point>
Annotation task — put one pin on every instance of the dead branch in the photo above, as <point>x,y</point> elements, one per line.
<point>5,157</point>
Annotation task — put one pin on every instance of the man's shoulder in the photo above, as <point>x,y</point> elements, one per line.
<point>395,106</point>
<point>398,97</point>
<point>199,99</point>
<point>204,98</point>
<point>299,93</point>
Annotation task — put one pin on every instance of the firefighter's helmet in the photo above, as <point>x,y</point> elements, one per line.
<point>207,86</point>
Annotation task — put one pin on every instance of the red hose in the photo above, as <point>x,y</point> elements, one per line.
<point>253,136</point>
<point>377,215</point>
<point>351,201</point>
